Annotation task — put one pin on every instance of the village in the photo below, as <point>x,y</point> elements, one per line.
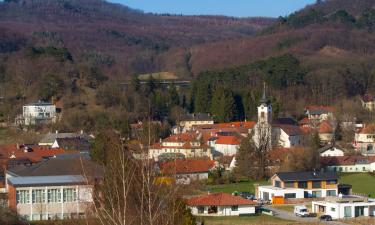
<point>56,177</point>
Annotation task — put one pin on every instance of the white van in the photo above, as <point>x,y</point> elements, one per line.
<point>301,210</point>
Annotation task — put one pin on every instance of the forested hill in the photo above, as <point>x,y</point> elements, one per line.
<point>119,40</point>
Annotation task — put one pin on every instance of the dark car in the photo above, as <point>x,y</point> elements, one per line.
<point>326,218</point>
<point>247,195</point>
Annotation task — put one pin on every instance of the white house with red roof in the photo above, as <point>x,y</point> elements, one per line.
<point>190,145</point>
<point>220,204</point>
<point>364,140</point>
<point>226,145</point>
<point>319,113</point>
<point>186,170</point>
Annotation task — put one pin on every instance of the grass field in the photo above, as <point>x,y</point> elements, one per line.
<point>236,220</point>
<point>247,186</point>
<point>363,183</point>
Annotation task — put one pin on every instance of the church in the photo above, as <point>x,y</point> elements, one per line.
<point>281,132</point>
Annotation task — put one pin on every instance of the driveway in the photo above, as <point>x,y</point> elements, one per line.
<point>290,216</point>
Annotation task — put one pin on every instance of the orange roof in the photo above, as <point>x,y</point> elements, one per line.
<point>368,129</point>
<point>247,124</point>
<point>228,140</point>
<point>186,166</point>
<point>325,127</point>
<point>218,199</point>
<point>183,137</point>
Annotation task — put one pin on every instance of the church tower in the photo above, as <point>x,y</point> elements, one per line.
<point>264,109</point>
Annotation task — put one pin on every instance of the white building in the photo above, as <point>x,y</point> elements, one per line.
<point>297,185</point>
<point>319,113</point>
<point>331,151</point>
<point>345,207</point>
<point>54,189</point>
<point>226,145</point>
<point>37,113</point>
<point>349,164</point>
<point>365,140</point>
<point>187,121</point>
<point>221,204</point>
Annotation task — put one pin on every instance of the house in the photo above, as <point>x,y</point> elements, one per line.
<point>50,138</point>
<point>345,206</point>
<point>186,170</point>
<point>54,189</point>
<point>37,113</point>
<point>187,121</point>
<point>226,162</point>
<point>326,132</point>
<point>364,140</point>
<point>289,136</point>
<point>72,143</point>
<point>368,102</point>
<point>299,185</point>
<point>319,113</point>
<point>188,144</point>
<point>226,145</point>
<point>221,204</point>
<point>330,151</point>
<point>349,164</point>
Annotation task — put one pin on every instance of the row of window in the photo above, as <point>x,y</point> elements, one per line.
<point>340,169</point>
<point>314,194</point>
<point>51,216</point>
<point>303,184</point>
<point>201,209</point>
<point>51,196</point>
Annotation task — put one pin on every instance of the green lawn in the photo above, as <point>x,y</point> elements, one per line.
<point>363,183</point>
<point>246,186</point>
<point>236,220</point>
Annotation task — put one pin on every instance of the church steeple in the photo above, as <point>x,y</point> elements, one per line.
<point>263,100</point>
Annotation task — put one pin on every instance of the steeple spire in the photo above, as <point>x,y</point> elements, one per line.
<point>264,98</point>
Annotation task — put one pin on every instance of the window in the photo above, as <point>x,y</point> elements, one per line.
<point>70,195</point>
<point>302,184</point>
<point>234,207</point>
<point>290,195</point>
<point>370,147</point>
<point>38,196</point>
<point>363,168</point>
<point>333,209</point>
<point>200,209</point>
<point>316,184</point>
<point>316,194</point>
<point>23,197</point>
<point>331,193</point>
<point>277,183</point>
<point>331,181</point>
<point>54,195</point>
<point>289,184</point>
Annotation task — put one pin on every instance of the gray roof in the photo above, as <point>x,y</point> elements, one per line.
<point>40,104</point>
<point>46,180</point>
<point>307,176</point>
<point>59,167</point>
<point>51,137</point>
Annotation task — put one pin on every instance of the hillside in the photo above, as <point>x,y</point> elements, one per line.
<point>120,40</point>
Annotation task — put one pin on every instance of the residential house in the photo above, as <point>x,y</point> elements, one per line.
<point>50,138</point>
<point>319,113</point>
<point>221,204</point>
<point>54,189</point>
<point>37,113</point>
<point>364,140</point>
<point>72,143</point>
<point>368,102</point>
<point>288,136</point>
<point>331,151</point>
<point>345,207</point>
<point>349,164</point>
<point>226,145</point>
<point>299,185</point>
<point>326,132</point>
<point>184,171</point>
<point>188,144</point>
<point>187,121</point>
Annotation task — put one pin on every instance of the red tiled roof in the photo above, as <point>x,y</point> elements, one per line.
<point>368,129</point>
<point>291,130</point>
<point>304,121</point>
<point>228,140</point>
<point>186,166</point>
<point>183,137</point>
<point>325,127</point>
<point>218,199</point>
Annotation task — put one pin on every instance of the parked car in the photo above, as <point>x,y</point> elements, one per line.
<point>247,195</point>
<point>326,218</point>
<point>301,210</point>
<point>312,215</point>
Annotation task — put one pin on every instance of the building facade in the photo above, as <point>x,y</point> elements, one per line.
<point>38,113</point>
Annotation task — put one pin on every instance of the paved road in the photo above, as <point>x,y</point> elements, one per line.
<point>290,216</point>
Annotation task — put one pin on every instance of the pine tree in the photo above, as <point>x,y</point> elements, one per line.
<point>223,105</point>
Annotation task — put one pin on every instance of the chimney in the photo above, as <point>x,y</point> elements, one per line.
<point>56,131</point>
